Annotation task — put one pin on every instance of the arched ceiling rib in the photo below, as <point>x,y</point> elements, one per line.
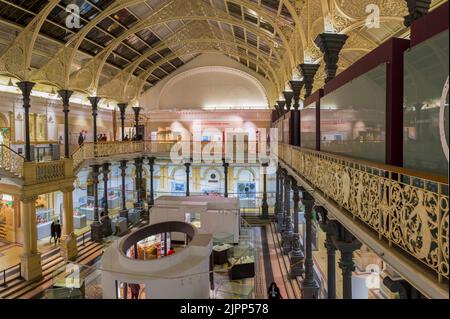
<point>130,39</point>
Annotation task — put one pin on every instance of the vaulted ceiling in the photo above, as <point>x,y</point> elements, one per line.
<point>122,48</point>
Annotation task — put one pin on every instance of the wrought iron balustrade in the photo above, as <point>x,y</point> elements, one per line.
<point>408,209</point>
<point>10,161</point>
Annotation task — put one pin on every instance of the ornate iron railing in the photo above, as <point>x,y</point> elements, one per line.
<point>11,161</point>
<point>48,171</point>
<point>408,209</point>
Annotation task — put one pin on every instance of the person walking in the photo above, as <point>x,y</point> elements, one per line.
<point>52,232</point>
<point>58,232</point>
<point>274,291</point>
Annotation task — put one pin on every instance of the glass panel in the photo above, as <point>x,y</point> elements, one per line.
<point>353,117</point>
<point>308,126</point>
<point>426,132</point>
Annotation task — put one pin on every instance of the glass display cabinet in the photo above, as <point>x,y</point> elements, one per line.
<point>242,262</point>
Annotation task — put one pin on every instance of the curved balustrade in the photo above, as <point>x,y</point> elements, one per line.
<point>408,209</point>
<point>11,161</point>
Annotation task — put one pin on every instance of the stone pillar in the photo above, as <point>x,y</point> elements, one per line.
<point>105,220</point>
<point>296,257</point>
<point>137,111</point>
<point>69,247</point>
<point>65,96</point>
<point>264,205</point>
<point>225,174</point>
<point>296,89</point>
<point>122,108</point>
<point>288,95</point>
<point>94,100</point>
<point>26,88</point>
<point>138,181</point>
<point>309,286</point>
<point>30,260</point>
<point>123,173</point>
<point>330,44</point>
<point>96,226</point>
<point>287,234</point>
<point>188,169</point>
<point>151,197</point>
<point>308,71</point>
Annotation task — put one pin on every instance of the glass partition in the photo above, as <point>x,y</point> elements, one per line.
<point>353,117</point>
<point>308,126</point>
<point>425,110</point>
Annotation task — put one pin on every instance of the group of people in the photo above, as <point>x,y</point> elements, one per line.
<point>55,232</point>
<point>102,138</point>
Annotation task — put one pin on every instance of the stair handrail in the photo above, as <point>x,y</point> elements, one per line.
<point>12,162</point>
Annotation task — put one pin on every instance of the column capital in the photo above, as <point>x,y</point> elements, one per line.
<point>281,105</point>
<point>296,87</point>
<point>28,199</point>
<point>68,189</point>
<point>288,95</point>
<point>94,100</point>
<point>308,71</point>
<point>26,87</point>
<point>417,9</point>
<point>122,108</point>
<point>330,44</point>
<point>65,97</point>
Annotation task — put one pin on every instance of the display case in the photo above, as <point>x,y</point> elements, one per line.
<point>221,253</point>
<point>223,238</point>
<point>119,225</point>
<point>134,215</point>
<point>44,219</point>
<point>79,221</point>
<point>242,262</point>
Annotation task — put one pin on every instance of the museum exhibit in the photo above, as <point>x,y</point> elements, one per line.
<point>224,149</point>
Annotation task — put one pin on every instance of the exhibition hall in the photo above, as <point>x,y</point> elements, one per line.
<point>224,149</point>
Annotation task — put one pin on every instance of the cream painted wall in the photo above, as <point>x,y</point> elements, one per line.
<point>213,88</point>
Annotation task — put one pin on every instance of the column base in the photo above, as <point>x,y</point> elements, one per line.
<point>264,210</point>
<point>97,232</point>
<point>30,266</point>
<point>69,247</point>
<point>106,226</point>
<point>310,290</point>
<point>286,242</point>
<point>296,261</point>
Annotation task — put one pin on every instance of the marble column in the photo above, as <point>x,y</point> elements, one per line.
<point>225,174</point>
<point>287,233</point>
<point>151,197</point>
<point>188,169</point>
<point>122,108</point>
<point>30,260</point>
<point>264,205</point>
<point>105,220</point>
<point>123,173</point>
<point>94,100</point>
<point>309,286</point>
<point>69,247</point>
<point>96,226</point>
<point>296,256</point>
<point>65,96</point>
<point>26,88</point>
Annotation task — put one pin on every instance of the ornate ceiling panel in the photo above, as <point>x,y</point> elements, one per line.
<point>121,48</point>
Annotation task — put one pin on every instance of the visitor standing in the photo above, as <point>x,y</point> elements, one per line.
<point>135,290</point>
<point>58,232</point>
<point>52,232</point>
<point>274,291</point>
<point>80,139</point>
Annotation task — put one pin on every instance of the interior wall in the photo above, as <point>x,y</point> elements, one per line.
<point>212,84</point>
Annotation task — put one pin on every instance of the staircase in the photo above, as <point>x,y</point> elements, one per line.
<point>256,221</point>
<point>52,265</point>
<point>2,230</point>
<point>11,163</point>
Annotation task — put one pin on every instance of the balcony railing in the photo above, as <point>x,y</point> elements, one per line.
<point>408,209</point>
<point>10,161</point>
